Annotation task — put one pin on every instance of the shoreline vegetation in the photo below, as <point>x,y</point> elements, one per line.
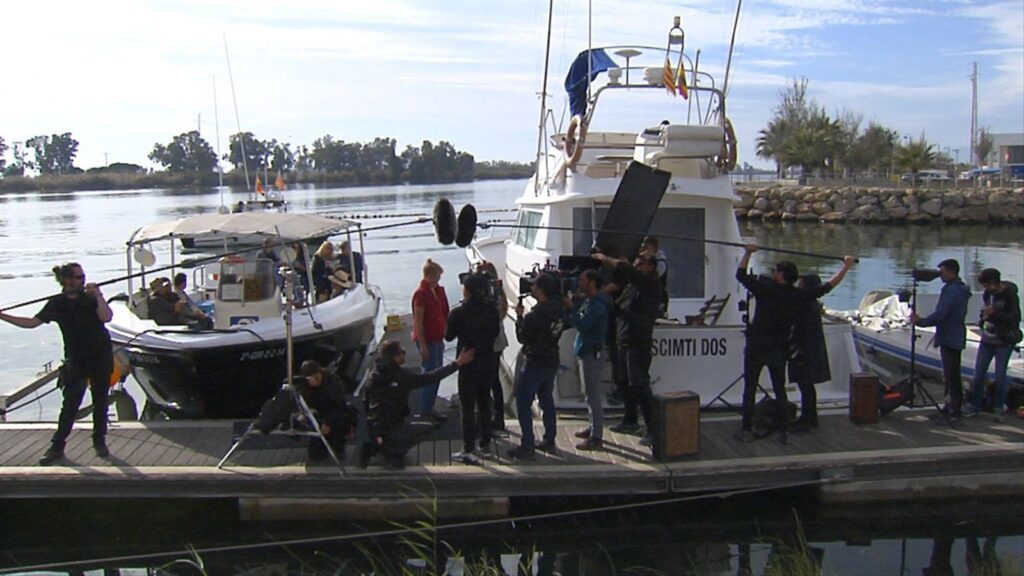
<point>114,179</point>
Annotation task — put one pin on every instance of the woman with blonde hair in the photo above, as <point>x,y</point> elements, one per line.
<point>322,271</point>
<point>429,319</point>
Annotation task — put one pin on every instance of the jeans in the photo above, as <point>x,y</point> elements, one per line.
<point>752,366</point>
<point>433,361</point>
<point>986,352</point>
<point>74,392</point>
<point>590,366</point>
<point>951,376</point>
<point>536,383</point>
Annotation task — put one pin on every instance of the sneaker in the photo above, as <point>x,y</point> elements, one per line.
<point>522,453</point>
<point>646,440</point>
<point>803,427</point>
<point>744,436</point>
<point>100,446</point>
<point>51,455</point>
<point>547,446</point>
<point>626,428</point>
<point>970,411</point>
<point>591,444</point>
<point>466,457</point>
<point>485,451</point>
<point>584,433</point>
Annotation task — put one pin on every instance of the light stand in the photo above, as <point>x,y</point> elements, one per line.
<point>921,275</point>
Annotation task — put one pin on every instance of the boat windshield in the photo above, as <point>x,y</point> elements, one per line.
<point>246,281</point>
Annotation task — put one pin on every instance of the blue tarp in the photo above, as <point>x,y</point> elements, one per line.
<point>576,80</point>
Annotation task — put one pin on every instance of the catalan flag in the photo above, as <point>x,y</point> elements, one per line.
<point>684,91</point>
<point>668,77</point>
<point>259,185</point>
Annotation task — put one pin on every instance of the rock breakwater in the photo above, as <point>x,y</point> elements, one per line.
<point>874,204</point>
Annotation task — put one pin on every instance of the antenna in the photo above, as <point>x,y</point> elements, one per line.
<point>732,44</point>
<point>238,122</point>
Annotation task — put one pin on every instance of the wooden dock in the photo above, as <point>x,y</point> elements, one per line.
<point>906,455</point>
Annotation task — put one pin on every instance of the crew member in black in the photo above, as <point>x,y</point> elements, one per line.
<point>325,396</point>
<point>637,309</point>
<point>650,245</point>
<point>81,312</point>
<point>476,324</point>
<point>808,361</point>
<point>768,337</point>
<point>387,404</point>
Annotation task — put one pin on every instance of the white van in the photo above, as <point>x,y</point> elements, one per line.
<point>933,176</point>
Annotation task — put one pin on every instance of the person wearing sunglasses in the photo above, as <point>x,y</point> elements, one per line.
<point>81,312</point>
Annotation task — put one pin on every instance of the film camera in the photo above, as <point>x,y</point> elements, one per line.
<point>566,273</point>
<point>483,280</point>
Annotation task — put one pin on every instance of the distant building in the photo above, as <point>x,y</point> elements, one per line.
<point>1007,155</point>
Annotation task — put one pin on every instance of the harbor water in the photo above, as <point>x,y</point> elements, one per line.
<point>718,537</point>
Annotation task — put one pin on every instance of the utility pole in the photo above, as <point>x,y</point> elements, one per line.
<point>974,112</point>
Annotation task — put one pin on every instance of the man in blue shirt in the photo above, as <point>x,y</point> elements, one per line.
<point>590,318</point>
<point>950,330</point>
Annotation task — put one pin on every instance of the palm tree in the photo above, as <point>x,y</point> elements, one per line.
<point>771,143</point>
<point>917,154</point>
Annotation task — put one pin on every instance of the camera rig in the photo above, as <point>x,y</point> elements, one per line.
<point>567,273</point>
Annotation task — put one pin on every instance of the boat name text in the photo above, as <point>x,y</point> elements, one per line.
<point>689,347</point>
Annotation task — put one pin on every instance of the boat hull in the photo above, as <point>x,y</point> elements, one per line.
<point>235,381</point>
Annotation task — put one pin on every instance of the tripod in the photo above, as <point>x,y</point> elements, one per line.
<point>916,383</point>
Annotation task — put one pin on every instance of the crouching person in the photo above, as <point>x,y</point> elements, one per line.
<point>325,397</point>
<point>387,404</point>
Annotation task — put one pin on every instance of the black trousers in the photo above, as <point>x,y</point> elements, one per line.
<point>634,381</point>
<point>475,381</point>
<point>951,376</point>
<point>497,394</point>
<point>808,403</point>
<point>317,451</point>
<point>752,366</point>
<point>74,391</point>
<point>402,438</point>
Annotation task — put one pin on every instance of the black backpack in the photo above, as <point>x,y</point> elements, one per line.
<point>771,415</point>
<point>892,397</point>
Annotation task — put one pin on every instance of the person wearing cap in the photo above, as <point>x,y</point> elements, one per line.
<point>638,307</point>
<point>476,324</point>
<point>768,336</point>
<point>81,311</point>
<point>164,307</point>
<point>1000,332</point>
<point>390,432</point>
<point>538,332</point>
<point>948,318</point>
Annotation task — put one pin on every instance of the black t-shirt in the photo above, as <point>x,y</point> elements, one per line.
<point>638,305</point>
<point>86,340</point>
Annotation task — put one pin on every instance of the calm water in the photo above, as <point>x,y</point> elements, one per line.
<point>39,231</point>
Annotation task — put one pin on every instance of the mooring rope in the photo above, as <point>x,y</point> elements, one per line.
<point>405,531</point>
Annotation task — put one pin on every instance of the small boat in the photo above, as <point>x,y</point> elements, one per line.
<point>577,194</point>
<point>881,331</point>
<point>228,371</point>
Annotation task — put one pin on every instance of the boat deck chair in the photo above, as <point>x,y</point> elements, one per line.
<point>709,312</point>
<point>301,421</point>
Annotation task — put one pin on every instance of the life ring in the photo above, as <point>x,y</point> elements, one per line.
<point>726,160</point>
<point>574,142</point>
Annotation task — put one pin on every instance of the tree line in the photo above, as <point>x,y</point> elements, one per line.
<point>801,134</point>
<point>189,158</point>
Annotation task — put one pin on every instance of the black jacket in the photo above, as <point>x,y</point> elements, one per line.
<point>776,306</point>
<point>639,306</point>
<point>329,404</point>
<point>476,324</point>
<point>997,328</point>
<point>539,332</point>
<point>387,393</point>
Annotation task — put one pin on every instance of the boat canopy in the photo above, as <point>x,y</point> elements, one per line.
<point>290,227</point>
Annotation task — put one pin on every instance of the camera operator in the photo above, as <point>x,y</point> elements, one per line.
<point>590,318</point>
<point>538,332</point>
<point>326,398</point>
<point>387,404</point>
<point>638,307</point>
<point>768,336</point>
<point>476,324</point>
<point>496,294</point>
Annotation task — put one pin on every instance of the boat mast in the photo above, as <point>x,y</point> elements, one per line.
<point>238,122</point>
<point>220,167</point>
<point>543,102</point>
<point>732,44</point>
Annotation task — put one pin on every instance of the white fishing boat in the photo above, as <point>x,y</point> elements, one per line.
<point>228,371</point>
<point>881,331</point>
<point>623,116</point>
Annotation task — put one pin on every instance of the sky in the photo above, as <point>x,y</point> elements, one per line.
<point>123,75</point>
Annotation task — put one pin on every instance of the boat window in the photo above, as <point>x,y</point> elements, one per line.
<point>246,281</point>
<point>685,258</point>
<point>525,236</point>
